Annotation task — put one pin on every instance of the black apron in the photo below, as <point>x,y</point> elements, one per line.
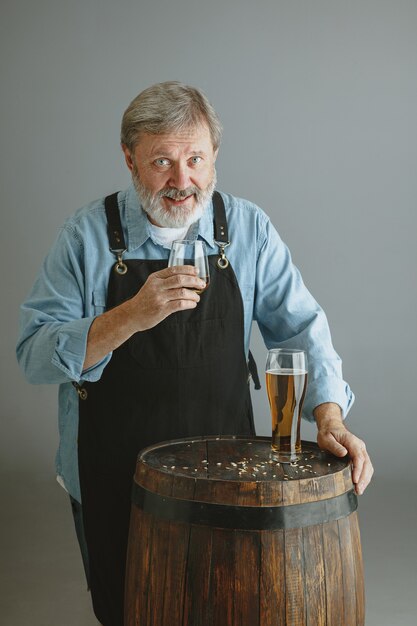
<point>185,377</point>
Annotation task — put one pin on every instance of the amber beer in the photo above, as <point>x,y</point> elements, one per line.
<point>205,279</point>
<point>286,387</point>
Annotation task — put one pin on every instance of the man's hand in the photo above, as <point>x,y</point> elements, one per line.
<point>334,437</point>
<point>164,293</point>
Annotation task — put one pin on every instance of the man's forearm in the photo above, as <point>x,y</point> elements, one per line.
<point>107,332</point>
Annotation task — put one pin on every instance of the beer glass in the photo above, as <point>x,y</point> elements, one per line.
<point>187,252</point>
<point>286,384</point>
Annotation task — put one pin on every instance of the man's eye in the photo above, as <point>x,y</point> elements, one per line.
<point>162,162</point>
<point>196,159</point>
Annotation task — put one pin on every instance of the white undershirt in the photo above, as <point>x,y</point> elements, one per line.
<point>165,236</point>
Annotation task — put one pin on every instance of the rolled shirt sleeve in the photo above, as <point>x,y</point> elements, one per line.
<point>56,318</point>
<point>70,343</point>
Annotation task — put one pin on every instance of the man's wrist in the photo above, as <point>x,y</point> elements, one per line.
<point>328,414</point>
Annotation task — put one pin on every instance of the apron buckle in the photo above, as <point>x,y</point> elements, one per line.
<point>82,393</point>
<point>120,267</point>
<point>223,261</point>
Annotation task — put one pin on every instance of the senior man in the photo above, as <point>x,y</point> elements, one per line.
<point>140,356</point>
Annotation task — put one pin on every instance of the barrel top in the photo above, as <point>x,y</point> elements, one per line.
<point>237,459</point>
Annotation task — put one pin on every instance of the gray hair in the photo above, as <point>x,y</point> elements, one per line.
<point>168,107</point>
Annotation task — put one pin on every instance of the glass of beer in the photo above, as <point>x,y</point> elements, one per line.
<point>286,384</point>
<point>188,252</point>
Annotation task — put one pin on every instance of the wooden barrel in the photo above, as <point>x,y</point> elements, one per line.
<point>221,535</point>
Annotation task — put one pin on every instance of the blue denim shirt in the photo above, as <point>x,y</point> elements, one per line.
<point>71,290</point>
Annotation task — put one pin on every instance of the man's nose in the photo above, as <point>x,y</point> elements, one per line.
<point>180,176</point>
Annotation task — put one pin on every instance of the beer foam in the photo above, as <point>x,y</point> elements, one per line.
<point>287,371</point>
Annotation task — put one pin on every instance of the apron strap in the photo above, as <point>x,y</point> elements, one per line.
<point>220,222</point>
<point>221,235</point>
<point>115,232</point>
<point>253,371</point>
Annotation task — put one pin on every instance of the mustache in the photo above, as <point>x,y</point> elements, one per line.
<point>179,194</point>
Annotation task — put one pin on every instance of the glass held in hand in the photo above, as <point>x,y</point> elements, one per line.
<point>187,252</point>
<point>286,384</point>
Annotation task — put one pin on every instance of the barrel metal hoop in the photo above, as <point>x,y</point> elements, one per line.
<point>244,517</point>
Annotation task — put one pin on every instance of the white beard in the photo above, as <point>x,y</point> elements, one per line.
<point>174,217</point>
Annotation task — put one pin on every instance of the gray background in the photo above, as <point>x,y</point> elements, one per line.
<point>318,100</point>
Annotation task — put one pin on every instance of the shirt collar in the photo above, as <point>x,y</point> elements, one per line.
<point>138,224</point>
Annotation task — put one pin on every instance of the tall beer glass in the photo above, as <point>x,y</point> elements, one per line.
<point>286,384</point>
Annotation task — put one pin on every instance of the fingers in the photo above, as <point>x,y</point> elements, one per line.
<point>169,300</point>
<point>362,469</point>
<point>328,441</point>
<point>180,276</point>
<point>179,305</point>
<point>177,269</point>
<point>181,281</point>
<point>165,292</point>
<point>340,442</point>
<point>183,293</point>
<point>332,445</point>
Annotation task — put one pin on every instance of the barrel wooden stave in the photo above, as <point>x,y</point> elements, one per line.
<point>294,577</point>
<point>272,583</point>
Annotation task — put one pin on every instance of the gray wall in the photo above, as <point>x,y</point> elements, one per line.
<point>318,101</point>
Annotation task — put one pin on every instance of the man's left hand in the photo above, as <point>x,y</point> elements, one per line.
<point>334,437</point>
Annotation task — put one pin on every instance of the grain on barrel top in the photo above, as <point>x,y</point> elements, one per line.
<point>183,457</point>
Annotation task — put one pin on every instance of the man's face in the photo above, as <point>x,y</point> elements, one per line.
<point>174,175</point>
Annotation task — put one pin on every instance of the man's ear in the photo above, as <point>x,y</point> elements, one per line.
<point>128,157</point>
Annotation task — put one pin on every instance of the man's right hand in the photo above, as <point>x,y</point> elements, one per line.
<point>164,293</point>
